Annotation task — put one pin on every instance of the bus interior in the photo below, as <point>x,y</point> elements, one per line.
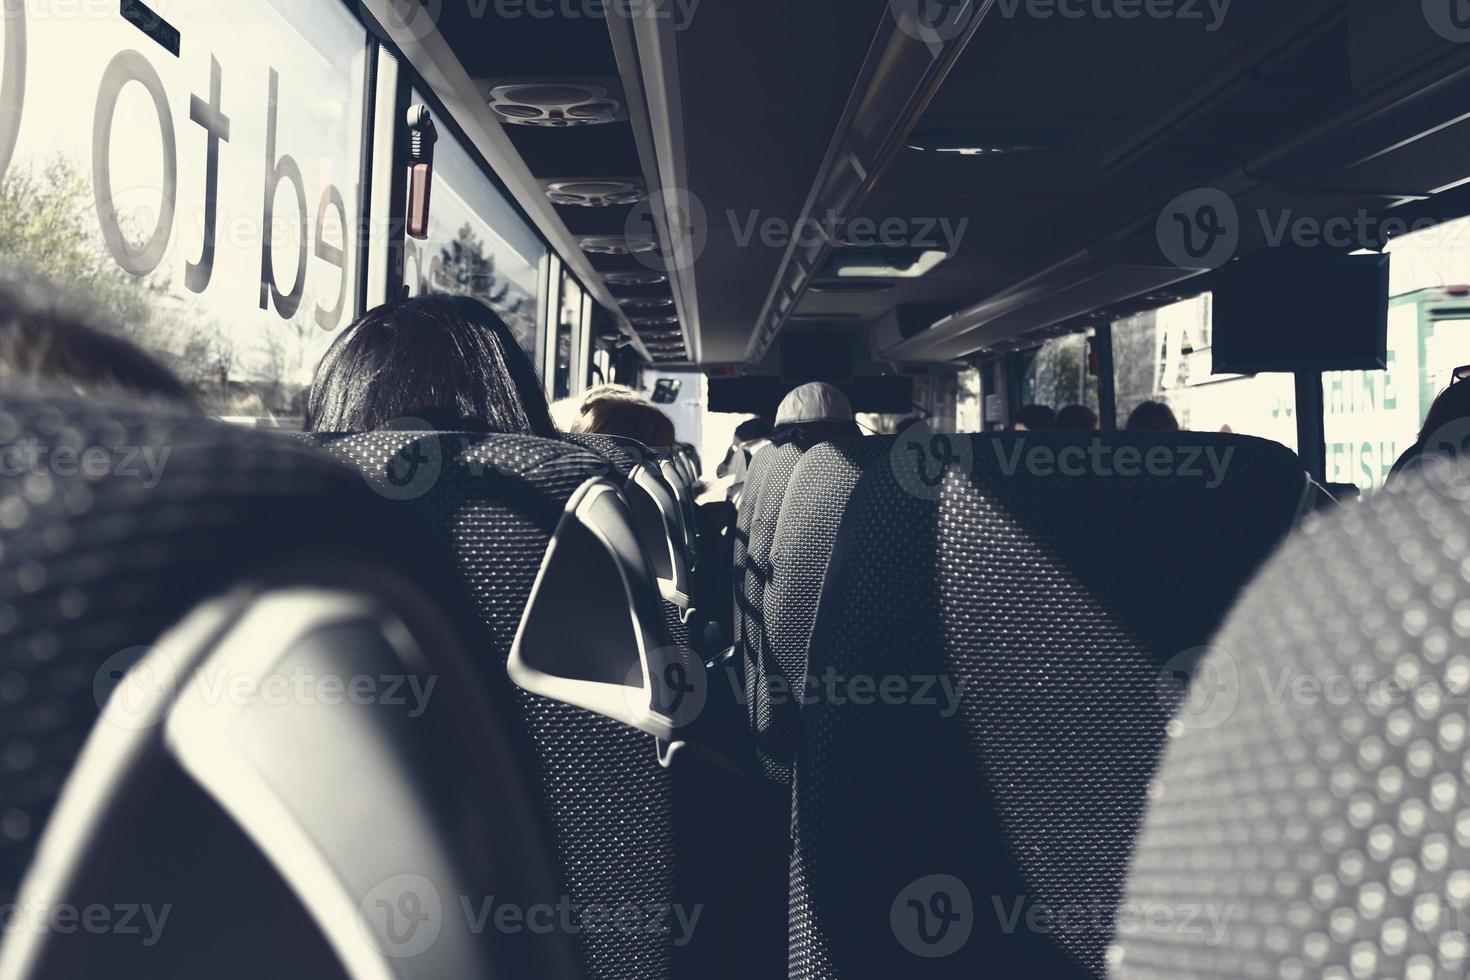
<point>1047,549</point>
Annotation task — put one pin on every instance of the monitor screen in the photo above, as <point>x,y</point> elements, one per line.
<point>1280,312</point>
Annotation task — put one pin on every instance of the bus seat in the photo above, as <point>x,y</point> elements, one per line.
<point>1312,798</point>
<point>987,655</point>
<point>740,548</point>
<point>226,554</point>
<point>768,717</point>
<point>495,500</point>
<point>659,518</point>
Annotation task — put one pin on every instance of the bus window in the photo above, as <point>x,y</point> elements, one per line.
<point>478,244</point>
<point>568,330</point>
<point>969,403</point>
<point>1165,355</point>
<point>1430,258</point>
<point>1370,417</point>
<point>205,198</point>
<point>1060,373</point>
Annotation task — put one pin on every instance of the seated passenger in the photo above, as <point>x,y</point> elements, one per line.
<point>1034,418</point>
<point>1154,416</point>
<point>1446,428</point>
<point>751,436</point>
<point>448,361</point>
<point>1077,417</point>
<point>53,341</point>
<point>814,413</point>
<point>616,410</point>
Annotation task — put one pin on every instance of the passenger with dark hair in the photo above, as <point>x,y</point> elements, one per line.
<point>448,361</point>
<point>1155,416</point>
<point>1446,428</point>
<point>616,410</point>
<point>1077,417</point>
<point>814,413</point>
<point>754,429</point>
<point>52,340</point>
<point>1034,418</point>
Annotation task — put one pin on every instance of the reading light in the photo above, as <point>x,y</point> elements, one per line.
<point>979,144</point>
<point>899,264</point>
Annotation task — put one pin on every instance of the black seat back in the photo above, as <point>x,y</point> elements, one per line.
<point>659,516</point>
<point>770,718</point>
<point>1310,815</point>
<point>495,500</point>
<point>755,475</point>
<point>187,556</point>
<point>985,703</point>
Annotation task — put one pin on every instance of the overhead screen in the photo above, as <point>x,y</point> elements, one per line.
<point>1281,312</point>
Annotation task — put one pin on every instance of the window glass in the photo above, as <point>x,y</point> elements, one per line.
<point>1060,373</point>
<point>568,325</point>
<point>478,245</point>
<point>1165,355</point>
<point>1438,256</point>
<point>1370,417</point>
<point>969,402</point>
<point>211,208</point>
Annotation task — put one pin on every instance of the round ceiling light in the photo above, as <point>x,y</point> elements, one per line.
<point>554,105</point>
<point>617,245</point>
<point>646,302</point>
<point>593,193</point>
<point>654,321</point>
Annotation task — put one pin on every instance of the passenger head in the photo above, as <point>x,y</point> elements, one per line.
<point>1034,418</point>
<point>814,413</point>
<point>753,430</point>
<point>1153,416</point>
<point>1077,417</point>
<point>51,341</point>
<point>447,360</point>
<point>1451,405</point>
<point>614,410</point>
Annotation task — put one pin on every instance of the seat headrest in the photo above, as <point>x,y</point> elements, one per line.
<point>1311,816</point>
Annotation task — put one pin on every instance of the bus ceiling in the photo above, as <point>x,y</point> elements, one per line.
<point>946,176</point>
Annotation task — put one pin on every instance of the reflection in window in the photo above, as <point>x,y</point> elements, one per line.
<point>1165,355</point>
<point>478,245</point>
<point>237,291</point>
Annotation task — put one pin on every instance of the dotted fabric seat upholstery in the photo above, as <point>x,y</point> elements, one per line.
<point>1019,619</point>
<point>771,717</point>
<point>1311,817</point>
<point>623,455</point>
<point>744,518</point>
<point>114,525</point>
<point>801,547</point>
<point>495,500</point>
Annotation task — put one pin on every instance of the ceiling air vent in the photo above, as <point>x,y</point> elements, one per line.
<point>555,105</point>
<point>635,278</point>
<point>593,193</point>
<point>617,245</point>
